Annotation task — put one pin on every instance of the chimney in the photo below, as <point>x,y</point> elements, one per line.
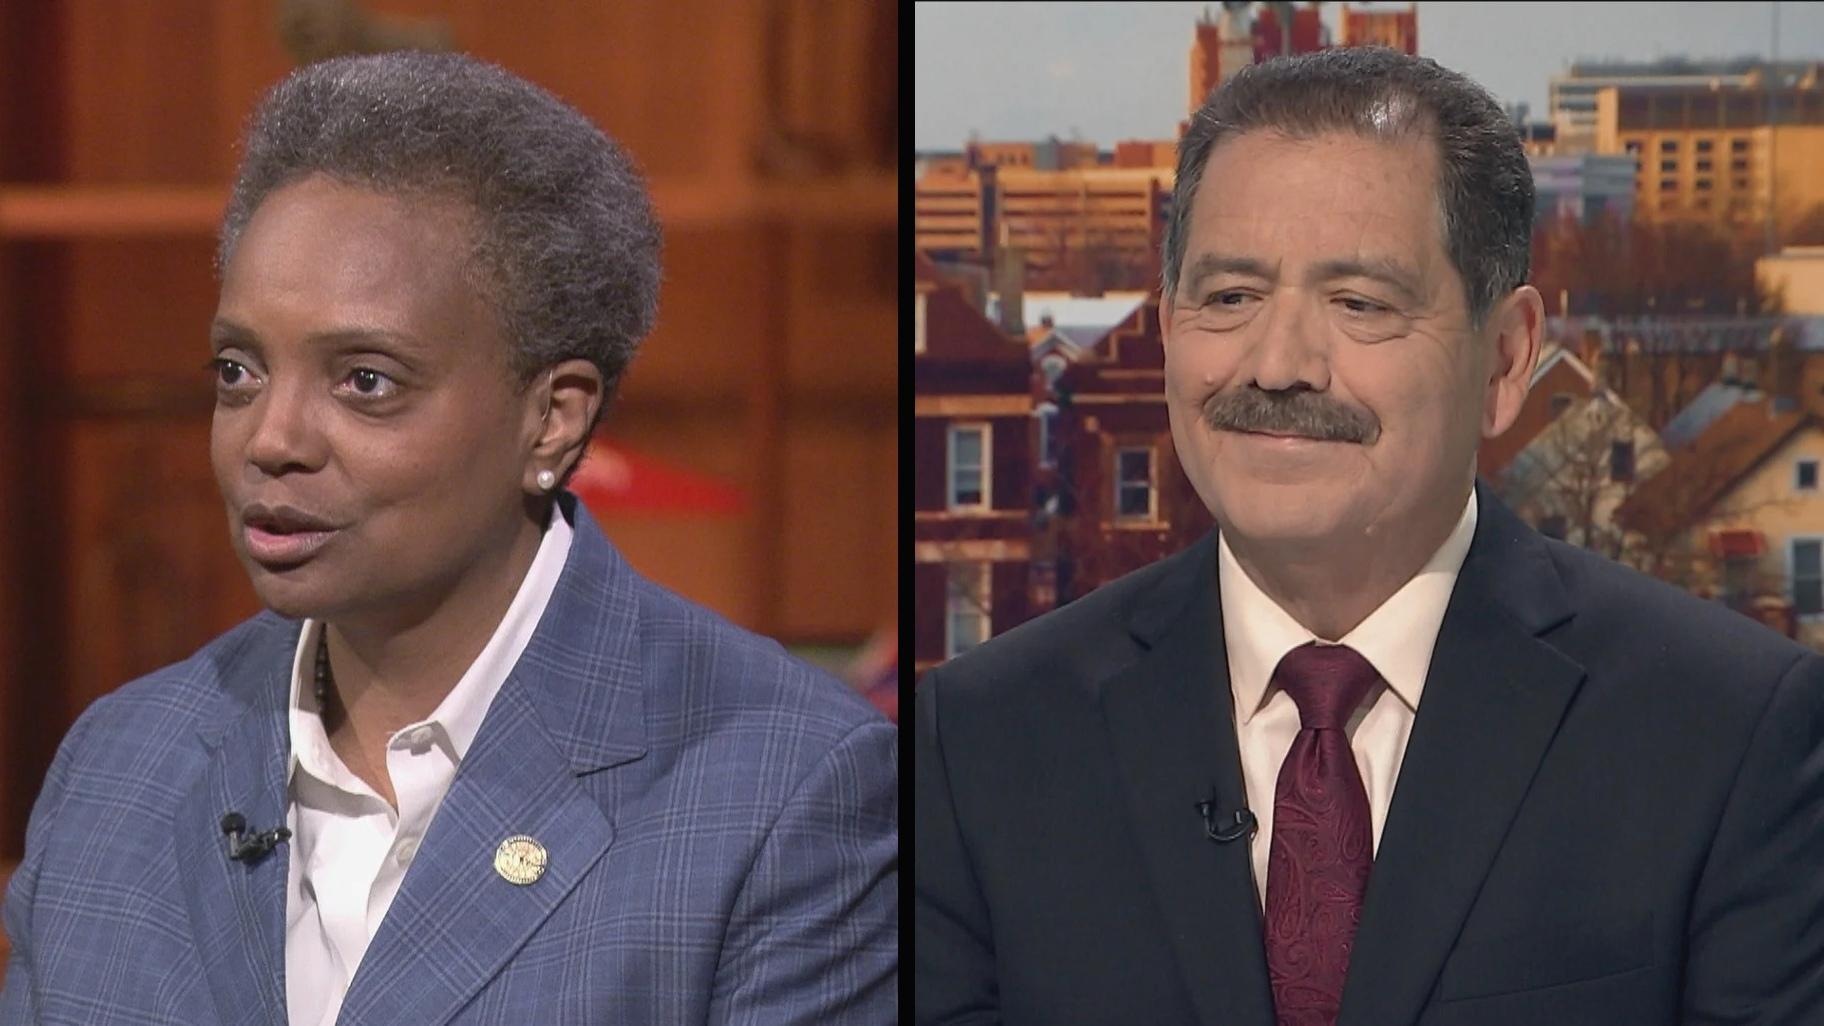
<point>1785,371</point>
<point>1009,282</point>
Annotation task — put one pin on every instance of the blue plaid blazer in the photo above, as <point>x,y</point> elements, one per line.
<point>721,823</point>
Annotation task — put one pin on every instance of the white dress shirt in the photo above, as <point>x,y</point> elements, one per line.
<point>349,848</point>
<point>1396,639</point>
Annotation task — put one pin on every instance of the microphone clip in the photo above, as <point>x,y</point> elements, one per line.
<point>250,848</point>
<point>1224,828</point>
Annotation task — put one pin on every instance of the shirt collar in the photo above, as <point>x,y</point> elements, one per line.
<point>1396,639</point>
<point>459,715</point>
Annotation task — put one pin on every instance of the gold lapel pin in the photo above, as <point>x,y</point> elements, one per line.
<point>520,860</point>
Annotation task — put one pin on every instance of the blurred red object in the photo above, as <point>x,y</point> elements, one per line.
<point>614,480</point>
<point>875,672</point>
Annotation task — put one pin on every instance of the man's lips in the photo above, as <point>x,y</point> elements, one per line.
<point>1285,436</point>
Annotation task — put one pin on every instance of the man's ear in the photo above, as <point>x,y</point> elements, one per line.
<point>569,395</point>
<point>1519,325</point>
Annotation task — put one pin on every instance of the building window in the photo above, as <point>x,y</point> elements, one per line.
<point>966,608</point>
<point>1738,146</point>
<point>1739,165</point>
<point>1621,461</point>
<point>1552,526</point>
<point>1702,185</point>
<point>1741,184</point>
<point>1704,145</point>
<point>1668,184</point>
<point>1807,575</point>
<point>918,324</point>
<point>1561,401</point>
<point>1134,484</point>
<point>1668,146</point>
<point>1667,167</point>
<point>1805,476</point>
<point>1739,581</point>
<point>1702,167</point>
<point>1047,416</point>
<point>1631,146</point>
<point>969,466</point>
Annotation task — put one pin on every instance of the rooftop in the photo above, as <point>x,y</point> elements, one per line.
<point>1081,319</point>
<point>1669,66</point>
<point>1708,467</point>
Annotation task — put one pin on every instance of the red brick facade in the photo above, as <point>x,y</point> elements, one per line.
<point>1053,527</point>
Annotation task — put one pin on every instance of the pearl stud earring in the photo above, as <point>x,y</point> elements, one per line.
<point>547,480</point>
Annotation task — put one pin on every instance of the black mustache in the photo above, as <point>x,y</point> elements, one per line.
<point>1304,413</point>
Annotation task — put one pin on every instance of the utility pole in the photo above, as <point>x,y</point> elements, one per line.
<point>1773,71</point>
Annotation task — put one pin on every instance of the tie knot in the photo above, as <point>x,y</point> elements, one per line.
<point>1326,682</point>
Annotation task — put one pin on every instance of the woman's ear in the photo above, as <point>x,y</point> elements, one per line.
<point>571,396</point>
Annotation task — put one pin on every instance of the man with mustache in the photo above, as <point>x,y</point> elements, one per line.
<point>1374,752</point>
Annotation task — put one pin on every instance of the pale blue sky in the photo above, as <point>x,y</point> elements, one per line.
<point>1110,71</point>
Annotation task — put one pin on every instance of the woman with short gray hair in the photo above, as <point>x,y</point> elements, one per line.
<point>468,767</point>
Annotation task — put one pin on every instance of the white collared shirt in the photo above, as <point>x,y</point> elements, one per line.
<point>349,849</point>
<point>1396,639</point>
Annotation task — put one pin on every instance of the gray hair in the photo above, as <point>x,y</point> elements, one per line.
<point>567,245</point>
<point>1484,182</point>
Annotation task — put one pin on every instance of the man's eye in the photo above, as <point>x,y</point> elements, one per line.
<point>1361,306</point>
<point>1229,299</point>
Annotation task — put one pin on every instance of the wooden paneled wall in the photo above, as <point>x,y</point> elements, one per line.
<point>767,132</point>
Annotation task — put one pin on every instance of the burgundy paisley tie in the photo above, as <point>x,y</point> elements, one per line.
<point>1322,845</point>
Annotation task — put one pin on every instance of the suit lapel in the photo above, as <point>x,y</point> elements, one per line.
<point>1173,737</point>
<point>573,705</point>
<point>456,921</point>
<point>1494,696</point>
<point>238,910</point>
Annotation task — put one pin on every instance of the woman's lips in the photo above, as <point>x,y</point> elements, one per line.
<point>283,548</point>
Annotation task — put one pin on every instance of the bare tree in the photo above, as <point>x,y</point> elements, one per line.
<point>1581,468</point>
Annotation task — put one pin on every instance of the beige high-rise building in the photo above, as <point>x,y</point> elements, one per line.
<point>1730,155</point>
<point>1114,214</point>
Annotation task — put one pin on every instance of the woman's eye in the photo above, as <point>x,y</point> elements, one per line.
<point>370,384</point>
<point>230,373</point>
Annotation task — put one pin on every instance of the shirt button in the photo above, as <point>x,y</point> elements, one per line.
<point>407,849</point>
<point>417,736</point>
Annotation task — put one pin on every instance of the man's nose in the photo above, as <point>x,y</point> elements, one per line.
<point>1290,346</point>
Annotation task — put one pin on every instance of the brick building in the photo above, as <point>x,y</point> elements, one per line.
<point>1044,463</point>
<point>1242,34</point>
<point>1396,29</point>
<point>1120,498</point>
<point>972,413</point>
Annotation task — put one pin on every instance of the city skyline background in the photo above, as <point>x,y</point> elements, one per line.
<point>1103,72</point>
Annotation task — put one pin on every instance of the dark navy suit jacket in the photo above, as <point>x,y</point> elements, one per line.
<point>720,820</point>
<point>1610,811</point>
